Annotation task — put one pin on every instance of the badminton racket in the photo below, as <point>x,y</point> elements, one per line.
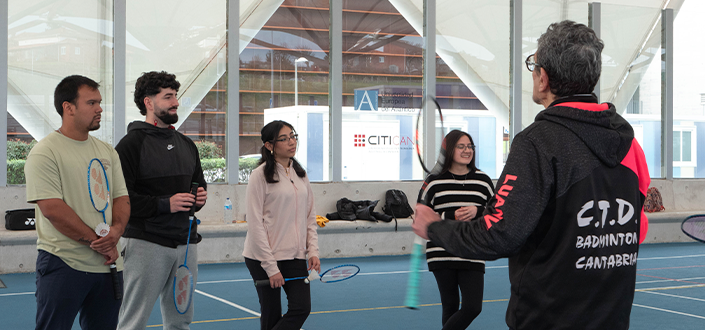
<point>694,227</point>
<point>335,274</point>
<point>99,192</point>
<point>183,280</point>
<point>414,281</point>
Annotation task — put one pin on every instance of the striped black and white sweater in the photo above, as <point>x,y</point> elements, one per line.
<point>446,193</point>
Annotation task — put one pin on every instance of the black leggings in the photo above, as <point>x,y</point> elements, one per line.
<point>471,283</point>
<point>298,295</point>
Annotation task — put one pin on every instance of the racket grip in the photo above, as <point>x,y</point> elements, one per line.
<point>194,192</point>
<point>261,282</point>
<point>117,288</point>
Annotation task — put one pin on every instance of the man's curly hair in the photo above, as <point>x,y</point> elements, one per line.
<point>150,84</point>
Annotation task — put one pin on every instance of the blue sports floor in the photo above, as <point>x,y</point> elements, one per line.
<point>670,295</point>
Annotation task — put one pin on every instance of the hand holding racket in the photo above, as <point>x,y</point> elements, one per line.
<point>99,192</point>
<point>335,274</point>
<point>183,280</point>
<point>694,227</point>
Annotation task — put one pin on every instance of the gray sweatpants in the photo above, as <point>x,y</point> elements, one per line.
<point>149,273</point>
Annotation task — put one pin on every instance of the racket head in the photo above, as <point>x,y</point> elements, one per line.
<point>339,273</point>
<point>98,185</point>
<point>419,135</point>
<point>694,227</point>
<point>183,289</point>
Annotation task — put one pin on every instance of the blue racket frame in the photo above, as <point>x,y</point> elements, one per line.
<point>117,288</point>
<point>107,184</point>
<point>194,189</point>
<point>190,296</point>
<point>342,279</point>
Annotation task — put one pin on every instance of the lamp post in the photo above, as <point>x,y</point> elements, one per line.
<point>296,79</point>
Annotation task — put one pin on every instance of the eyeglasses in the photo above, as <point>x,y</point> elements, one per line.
<point>463,147</point>
<point>531,63</point>
<point>294,137</point>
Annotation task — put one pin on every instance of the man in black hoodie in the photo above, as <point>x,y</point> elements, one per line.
<point>159,165</point>
<point>568,208</point>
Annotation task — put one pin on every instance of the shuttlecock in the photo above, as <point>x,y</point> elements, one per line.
<point>102,229</point>
<point>313,275</point>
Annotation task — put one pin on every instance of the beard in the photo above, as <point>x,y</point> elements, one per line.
<point>94,125</point>
<point>167,118</point>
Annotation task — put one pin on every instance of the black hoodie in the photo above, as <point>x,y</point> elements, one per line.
<point>568,214</point>
<point>158,163</point>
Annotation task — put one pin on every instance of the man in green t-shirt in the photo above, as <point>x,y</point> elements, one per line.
<point>72,265</point>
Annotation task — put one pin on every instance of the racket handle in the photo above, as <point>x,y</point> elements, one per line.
<point>261,282</point>
<point>117,288</point>
<point>194,192</point>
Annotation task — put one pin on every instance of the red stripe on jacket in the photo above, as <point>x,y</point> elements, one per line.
<point>636,161</point>
<point>585,106</point>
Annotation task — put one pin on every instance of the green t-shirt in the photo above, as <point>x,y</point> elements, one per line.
<point>57,167</point>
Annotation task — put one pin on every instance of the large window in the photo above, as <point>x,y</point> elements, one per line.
<point>284,76</point>
<point>187,39</point>
<point>47,41</point>
<point>688,92</point>
<point>632,80</point>
<point>380,98</point>
<point>472,83</point>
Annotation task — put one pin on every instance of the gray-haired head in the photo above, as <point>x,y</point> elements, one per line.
<point>571,55</point>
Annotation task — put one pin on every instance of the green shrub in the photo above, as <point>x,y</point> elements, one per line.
<point>208,150</point>
<point>18,149</point>
<point>15,171</point>
<point>214,169</point>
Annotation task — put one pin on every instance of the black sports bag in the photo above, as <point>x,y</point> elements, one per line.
<point>21,219</point>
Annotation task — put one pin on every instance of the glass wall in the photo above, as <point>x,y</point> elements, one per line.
<point>472,83</point>
<point>47,41</point>
<point>187,39</point>
<point>382,88</point>
<point>632,80</point>
<point>284,76</point>
<point>688,93</point>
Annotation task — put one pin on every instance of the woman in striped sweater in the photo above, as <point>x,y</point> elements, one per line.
<point>458,191</point>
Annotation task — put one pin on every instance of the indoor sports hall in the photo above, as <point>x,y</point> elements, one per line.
<point>354,78</point>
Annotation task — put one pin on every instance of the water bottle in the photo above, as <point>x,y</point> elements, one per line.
<point>228,212</point>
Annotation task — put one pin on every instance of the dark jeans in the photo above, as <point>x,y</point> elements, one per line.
<point>297,292</point>
<point>63,292</point>
<point>471,284</point>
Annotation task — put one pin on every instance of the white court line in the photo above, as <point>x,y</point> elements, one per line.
<point>670,311</point>
<point>672,257</point>
<point>16,294</point>
<point>673,295</point>
<point>230,303</point>
<point>490,267</point>
<point>669,280</point>
<point>244,309</point>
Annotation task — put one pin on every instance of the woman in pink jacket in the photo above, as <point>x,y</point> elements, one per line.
<point>281,229</point>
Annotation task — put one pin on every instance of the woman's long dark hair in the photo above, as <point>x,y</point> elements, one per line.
<point>270,133</point>
<point>451,140</point>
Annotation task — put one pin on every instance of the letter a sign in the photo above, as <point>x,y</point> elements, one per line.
<point>366,100</point>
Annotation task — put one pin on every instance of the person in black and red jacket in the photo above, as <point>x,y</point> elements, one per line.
<point>568,206</point>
